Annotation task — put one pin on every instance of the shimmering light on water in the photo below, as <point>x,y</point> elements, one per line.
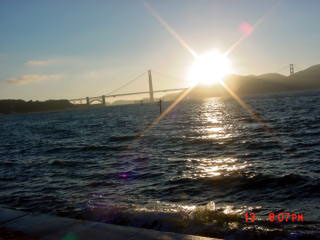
<point>77,163</point>
<point>206,167</point>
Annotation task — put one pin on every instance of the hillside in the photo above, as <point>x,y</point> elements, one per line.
<point>266,83</point>
<point>21,106</point>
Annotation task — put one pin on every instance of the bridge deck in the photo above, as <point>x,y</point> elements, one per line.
<point>132,93</point>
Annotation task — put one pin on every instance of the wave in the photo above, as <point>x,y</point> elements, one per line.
<point>62,163</point>
<point>7,163</point>
<point>202,220</point>
<point>222,143</point>
<point>245,182</point>
<point>100,184</point>
<point>86,148</point>
<point>121,138</point>
<point>213,142</point>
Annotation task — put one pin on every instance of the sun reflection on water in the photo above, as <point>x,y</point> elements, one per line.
<point>215,133</point>
<point>206,167</point>
<point>213,121</point>
<point>214,124</point>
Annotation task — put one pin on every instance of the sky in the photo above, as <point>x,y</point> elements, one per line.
<point>72,49</point>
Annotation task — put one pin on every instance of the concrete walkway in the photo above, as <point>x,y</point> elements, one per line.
<point>47,227</point>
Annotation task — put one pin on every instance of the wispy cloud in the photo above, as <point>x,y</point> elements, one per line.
<point>40,62</point>
<point>26,79</point>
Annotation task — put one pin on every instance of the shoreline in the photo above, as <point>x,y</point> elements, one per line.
<point>43,226</point>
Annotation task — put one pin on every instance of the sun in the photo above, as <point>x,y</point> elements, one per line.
<point>209,68</point>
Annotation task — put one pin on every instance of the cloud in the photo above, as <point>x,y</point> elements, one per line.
<point>26,79</point>
<point>40,62</point>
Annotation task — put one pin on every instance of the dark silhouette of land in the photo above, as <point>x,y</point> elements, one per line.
<point>307,79</point>
<point>21,106</point>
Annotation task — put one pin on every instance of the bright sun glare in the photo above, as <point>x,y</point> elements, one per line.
<point>209,68</point>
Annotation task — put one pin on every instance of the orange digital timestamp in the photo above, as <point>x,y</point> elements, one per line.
<point>277,217</point>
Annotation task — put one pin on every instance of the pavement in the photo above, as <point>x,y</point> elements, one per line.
<point>24,225</point>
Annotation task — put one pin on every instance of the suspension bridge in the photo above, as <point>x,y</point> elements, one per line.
<point>103,98</point>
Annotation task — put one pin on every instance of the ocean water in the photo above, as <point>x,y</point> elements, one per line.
<point>198,171</point>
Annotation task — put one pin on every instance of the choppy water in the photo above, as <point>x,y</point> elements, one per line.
<point>77,163</point>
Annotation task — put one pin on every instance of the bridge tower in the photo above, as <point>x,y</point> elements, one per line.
<point>103,100</point>
<point>150,86</point>
<point>88,100</point>
<point>291,70</point>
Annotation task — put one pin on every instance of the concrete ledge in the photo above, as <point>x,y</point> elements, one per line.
<point>52,228</point>
<point>7,215</point>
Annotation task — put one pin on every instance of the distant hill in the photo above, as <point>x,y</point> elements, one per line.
<point>266,83</point>
<point>21,106</point>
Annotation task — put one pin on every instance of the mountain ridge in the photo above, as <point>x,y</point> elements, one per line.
<point>306,79</point>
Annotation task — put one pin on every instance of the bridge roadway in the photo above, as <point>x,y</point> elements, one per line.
<point>102,98</point>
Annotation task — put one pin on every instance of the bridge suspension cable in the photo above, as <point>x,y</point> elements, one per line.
<point>168,75</point>
<point>286,67</point>
<point>298,67</point>
<point>126,84</point>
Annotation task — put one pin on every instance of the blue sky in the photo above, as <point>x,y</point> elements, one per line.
<point>70,49</point>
